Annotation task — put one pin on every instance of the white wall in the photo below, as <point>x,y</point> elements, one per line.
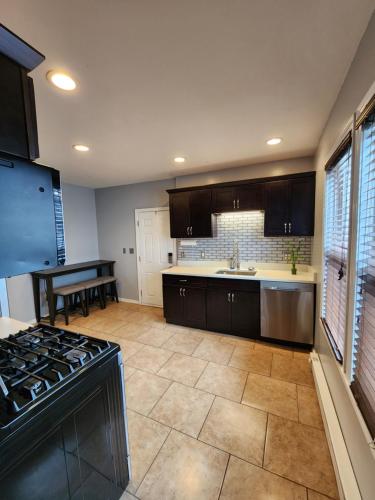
<point>359,79</point>
<point>81,245</point>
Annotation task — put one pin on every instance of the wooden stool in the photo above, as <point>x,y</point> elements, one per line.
<point>94,285</point>
<point>68,292</point>
<point>110,280</point>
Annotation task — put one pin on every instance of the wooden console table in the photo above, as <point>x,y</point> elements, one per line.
<point>49,274</point>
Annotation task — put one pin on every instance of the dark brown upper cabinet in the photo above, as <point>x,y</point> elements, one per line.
<point>289,207</point>
<point>237,198</point>
<point>18,128</point>
<point>191,214</point>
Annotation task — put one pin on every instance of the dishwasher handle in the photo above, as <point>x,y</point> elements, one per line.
<point>279,289</point>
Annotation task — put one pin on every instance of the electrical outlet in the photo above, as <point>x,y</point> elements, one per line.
<point>131,250</point>
<point>124,250</point>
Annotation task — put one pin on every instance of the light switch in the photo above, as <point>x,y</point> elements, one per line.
<point>131,250</point>
<point>124,250</point>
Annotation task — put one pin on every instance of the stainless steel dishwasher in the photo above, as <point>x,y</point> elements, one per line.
<point>287,311</point>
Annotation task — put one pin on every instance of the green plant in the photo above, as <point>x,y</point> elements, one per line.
<point>293,255</point>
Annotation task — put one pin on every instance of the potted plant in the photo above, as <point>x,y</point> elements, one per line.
<point>293,256</point>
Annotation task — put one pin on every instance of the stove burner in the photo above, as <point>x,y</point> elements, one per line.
<point>37,361</point>
<point>75,356</point>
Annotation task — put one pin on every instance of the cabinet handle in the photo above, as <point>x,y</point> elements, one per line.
<point>228,297</point>
<point>285,227</point>
<point>290,227</point>
<point>232,297</point>
<point>234,203</point>
<point>238,203</point>
<point>180,292</point>
<point>187,230</point>
<point>191,230</point>
<point>183,291</point>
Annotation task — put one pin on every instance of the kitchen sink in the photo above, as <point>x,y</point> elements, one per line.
<point>238,272</point>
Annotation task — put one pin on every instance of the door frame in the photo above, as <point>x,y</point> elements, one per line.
<point>138,211</point>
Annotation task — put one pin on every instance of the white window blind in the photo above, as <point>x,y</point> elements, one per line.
<point>363,385</point>
<point>336,244</point>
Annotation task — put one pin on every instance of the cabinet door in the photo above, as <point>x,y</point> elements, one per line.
<point>245,314</point>
<point>223,199</point>
<point>173,304</point>
<point>195,307</point>
<point>276,217</point>
<point>200,213</point>
<point>250,197</point>
<point>179,214</point>
<point>302,205</point>
<point>218,309</point>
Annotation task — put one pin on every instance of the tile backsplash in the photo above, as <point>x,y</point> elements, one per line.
<point>246,228</point>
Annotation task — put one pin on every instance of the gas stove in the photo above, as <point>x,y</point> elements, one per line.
<point>36,361</point>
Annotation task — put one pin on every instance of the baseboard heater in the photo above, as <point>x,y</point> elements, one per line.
<point>346,480</point>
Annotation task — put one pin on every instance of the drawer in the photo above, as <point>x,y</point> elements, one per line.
<point>233,284</point>
<point>178,280</point>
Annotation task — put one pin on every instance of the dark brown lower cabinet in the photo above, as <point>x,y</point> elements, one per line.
<point>184,305</point>
<point>233,311</point>
<point>221,305</point>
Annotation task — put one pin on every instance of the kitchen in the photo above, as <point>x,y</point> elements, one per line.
<point>185,286</point>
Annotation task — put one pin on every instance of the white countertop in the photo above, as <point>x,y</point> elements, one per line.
<point>305,276</point>
<point>9,326</point>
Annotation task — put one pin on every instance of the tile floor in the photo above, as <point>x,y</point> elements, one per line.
<point>214,416</point>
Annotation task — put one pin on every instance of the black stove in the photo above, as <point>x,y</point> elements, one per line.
<point>36,361</point>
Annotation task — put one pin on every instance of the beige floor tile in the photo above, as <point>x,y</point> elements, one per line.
<point>132,331</point>
<point>301,354</point>
<point>155,337</point>
<point>244,481</point>
<point>146,437</point>
<point>313,495</point>
<point>176,328</point>
<point>237,342</point>
<point>237,429</point>
<point>255,361</point>
<point>308,407</point>
<point>149,358</point>
<point>223,381</point>
<point>294,370</point>
<point>212,350</point>
<point>128,347</point>
<point>182,343</point>
<point>299,453</point>
<point>183,408</point>
<point>184,369</point>
<point>127,496</point>
<point>128,371</point>
<point>271,395</point>
<point>274,348</point>
<point>143,391</point>
<point>107,325</point>
<point>185,469</point>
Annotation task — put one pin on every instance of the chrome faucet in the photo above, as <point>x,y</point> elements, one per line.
<point>235,259</point>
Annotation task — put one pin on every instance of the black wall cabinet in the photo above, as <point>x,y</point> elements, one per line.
<point>235,199</point>
<point>18,128</point>
<point>288,203</point>
<point>191,215</point>
<point>289,207</point>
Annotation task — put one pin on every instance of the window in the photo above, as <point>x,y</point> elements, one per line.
<point>363,385</point>
<point>336,245</point>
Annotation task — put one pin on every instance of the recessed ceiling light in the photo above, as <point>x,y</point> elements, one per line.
<point>179,159</point>
<point>61,80</point>
<point>274,141</point>
<point>81,147</point>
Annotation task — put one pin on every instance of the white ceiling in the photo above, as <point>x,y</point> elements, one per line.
<point>207,79</point>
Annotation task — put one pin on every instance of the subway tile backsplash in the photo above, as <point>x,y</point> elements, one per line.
<point>246,228</point>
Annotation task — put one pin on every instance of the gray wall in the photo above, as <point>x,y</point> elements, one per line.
<point>115,208</point>
<point>359,79</point>
<point>269,169</point>
<point>81,245</point>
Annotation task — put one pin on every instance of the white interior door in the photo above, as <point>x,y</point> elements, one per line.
<point>153,245</point>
